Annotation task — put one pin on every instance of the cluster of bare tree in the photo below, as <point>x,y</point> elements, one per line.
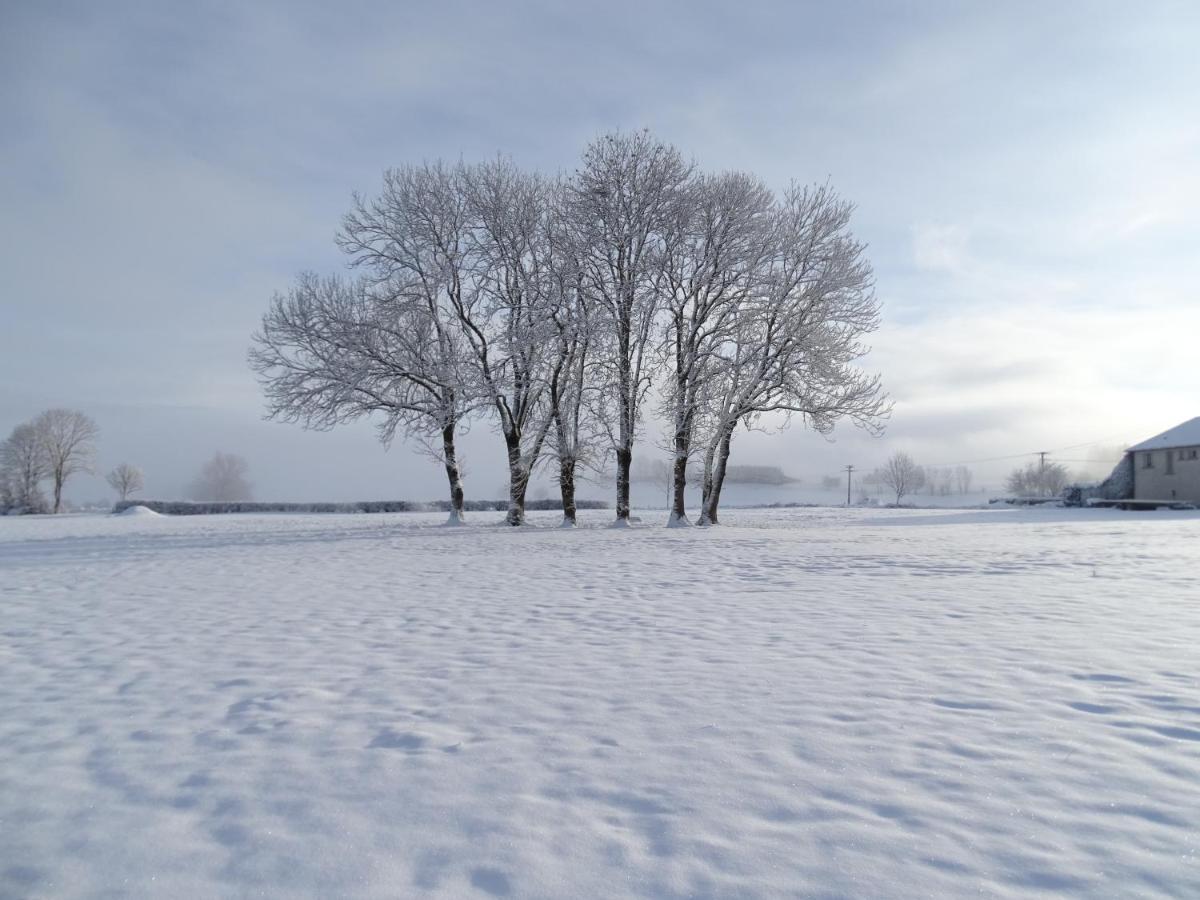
<point>1038,479</point>
<point>902,476</point>
<point>560,305</point>
<point>946,480</point>
<point>53,446</point>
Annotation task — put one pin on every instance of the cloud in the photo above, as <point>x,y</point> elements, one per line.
<point>939,247</point>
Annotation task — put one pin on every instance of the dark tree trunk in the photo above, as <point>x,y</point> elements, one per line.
<point>518,480</point>
<point>566,484</point>
<point>707,485</point>
<point>58,486</point>
<point>683,431</point>
<point>624,459</point>
<point>713,491</point>
<point>679,480</point>
<point>452,474</point>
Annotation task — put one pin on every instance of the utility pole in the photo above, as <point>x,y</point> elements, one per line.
<point>849,475</point>
<point>1042,472</point>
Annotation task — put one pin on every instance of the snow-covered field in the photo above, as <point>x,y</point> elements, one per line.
<point>814,703</point>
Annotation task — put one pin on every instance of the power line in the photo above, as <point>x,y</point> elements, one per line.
<point>970,462</point>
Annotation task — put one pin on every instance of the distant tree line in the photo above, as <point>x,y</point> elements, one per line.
<point>557,306</point>
<point>201,508</point>
<point>902,476</point>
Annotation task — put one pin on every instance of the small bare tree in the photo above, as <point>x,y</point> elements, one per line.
<point>22,468</point>
<point>125,480</point>
<point>902,475</point>
<point>68,439</point>
<point>222,480</point>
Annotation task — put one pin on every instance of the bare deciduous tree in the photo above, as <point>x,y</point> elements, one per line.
<point>332,350</point>
<point>68,438</point>
<point>796,338</point>
<point>901,474</point>
<point>623,201</point>
<point>125,480</point>
<point>506,318</point>
<point>22,468</point>
<point>464,242</point>
<point>568,385</point>
<point>222,480</point>
<point>713,258</point>
<point>962,479</point>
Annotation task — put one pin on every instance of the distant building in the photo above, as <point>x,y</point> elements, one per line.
<point>1167,466</point>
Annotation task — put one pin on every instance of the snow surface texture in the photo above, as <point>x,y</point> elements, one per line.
<point>812,703</point>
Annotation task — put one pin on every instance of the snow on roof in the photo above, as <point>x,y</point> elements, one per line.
<point>1185,435</point>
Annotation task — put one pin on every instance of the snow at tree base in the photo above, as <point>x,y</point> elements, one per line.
<point>867,703</point>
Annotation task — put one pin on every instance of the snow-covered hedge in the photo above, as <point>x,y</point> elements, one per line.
<point>189,508</point>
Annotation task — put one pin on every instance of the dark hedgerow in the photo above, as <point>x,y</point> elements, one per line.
<point>190,508</point>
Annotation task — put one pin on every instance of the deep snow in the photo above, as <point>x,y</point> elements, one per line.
<point>867,703</point>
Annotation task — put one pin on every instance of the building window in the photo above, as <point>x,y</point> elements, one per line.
<point>1147,460</point>
<point>1170,462</point>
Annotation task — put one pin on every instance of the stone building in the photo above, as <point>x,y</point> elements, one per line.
<point>1167,466</point>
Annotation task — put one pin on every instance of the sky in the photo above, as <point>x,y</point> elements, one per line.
<point>1026,175</point>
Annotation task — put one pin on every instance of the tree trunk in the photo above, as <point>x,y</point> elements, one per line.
<point>683,431</point>
<point>452,475</point>
<point>518,480</point>
<point>713,498</point>
<point>679,481</point>
<point>624,459</point>
<point>566,484</point>
<point>706,488</point>
<point>58,486</point>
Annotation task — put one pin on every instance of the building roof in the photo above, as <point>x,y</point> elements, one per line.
<point>1185,435</point>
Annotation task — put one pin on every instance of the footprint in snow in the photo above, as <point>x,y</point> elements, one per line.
<point>398,740</point>
<point>1096,708</point>
<point>493,881</point>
